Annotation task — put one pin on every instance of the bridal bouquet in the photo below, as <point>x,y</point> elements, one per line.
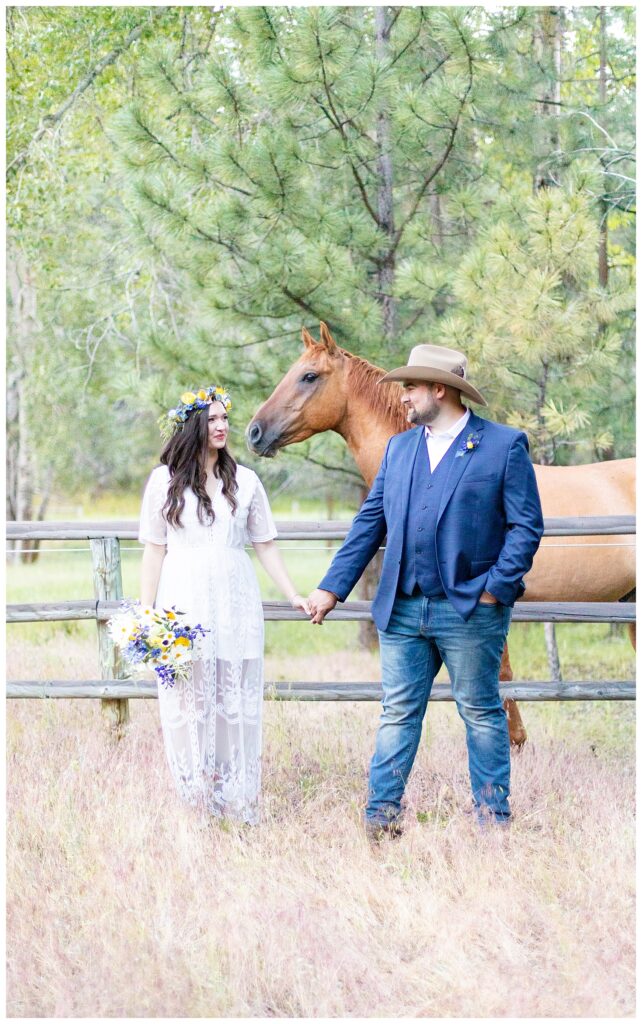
<point>156,638</point>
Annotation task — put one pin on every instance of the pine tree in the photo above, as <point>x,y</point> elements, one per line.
<point>291,178</point>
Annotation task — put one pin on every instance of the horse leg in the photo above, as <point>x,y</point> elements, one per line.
<point>516,730</point>
<point>631,629</point>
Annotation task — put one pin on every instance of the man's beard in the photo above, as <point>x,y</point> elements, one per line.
<point>425,418</point>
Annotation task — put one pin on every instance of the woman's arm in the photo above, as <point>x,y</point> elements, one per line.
<point>272,561</point>
<point>153,556</point>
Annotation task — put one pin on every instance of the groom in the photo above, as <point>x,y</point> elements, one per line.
<point>458,500</point>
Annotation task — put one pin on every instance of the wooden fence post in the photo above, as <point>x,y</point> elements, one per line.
<point>108,586</point>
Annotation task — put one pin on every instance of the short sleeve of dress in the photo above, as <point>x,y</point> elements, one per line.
<point>260,524</point>
<point>153,527</point>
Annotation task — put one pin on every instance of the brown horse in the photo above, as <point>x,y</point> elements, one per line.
<point>328,388</point>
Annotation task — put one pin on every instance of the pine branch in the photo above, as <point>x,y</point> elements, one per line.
<point>339,125</point>
<point>429,74</point>
<point>49,120</point>
<point>442,160</point>
<point>518,373</point>
<point>410,42</point>
<point>156,141</point>
<point>301,303</point>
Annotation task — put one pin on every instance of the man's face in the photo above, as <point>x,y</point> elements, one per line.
<point>420,403</point>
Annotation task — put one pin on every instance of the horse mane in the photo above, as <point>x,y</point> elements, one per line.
<point>383,399</point>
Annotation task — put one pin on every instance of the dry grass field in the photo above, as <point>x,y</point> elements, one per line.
<point>120,905</point>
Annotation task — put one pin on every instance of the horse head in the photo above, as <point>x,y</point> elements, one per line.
<point>311,398</point>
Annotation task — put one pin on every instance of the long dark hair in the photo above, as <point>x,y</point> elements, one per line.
<point>185,455</point>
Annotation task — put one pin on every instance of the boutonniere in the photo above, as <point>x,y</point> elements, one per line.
<point>468,445</point>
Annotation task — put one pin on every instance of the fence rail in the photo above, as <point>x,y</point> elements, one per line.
<point>115,691</point>
<point>351,611</point>
<point>328,529</point>
<point>320,691</point>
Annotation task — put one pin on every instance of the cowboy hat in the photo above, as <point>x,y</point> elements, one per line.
<point>434,364</point>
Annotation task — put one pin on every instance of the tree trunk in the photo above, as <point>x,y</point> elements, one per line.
<point>437,221</point>
<point>368,636</point>
<point>329,513</point>
<point>13,379</point>
<point>548,48</point>
<point>385,201</point>
<point>603,263</point>
<point>21,329</point>
<point>24,480</point>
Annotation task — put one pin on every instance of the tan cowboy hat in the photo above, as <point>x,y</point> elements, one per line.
<point>435,364</point>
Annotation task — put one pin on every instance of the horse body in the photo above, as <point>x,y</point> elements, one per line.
<point>328,388</point>
<point>593,568</point>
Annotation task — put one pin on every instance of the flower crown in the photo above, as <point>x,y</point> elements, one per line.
<point>172,421</point>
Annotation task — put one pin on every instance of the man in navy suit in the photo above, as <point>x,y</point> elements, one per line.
<point>458,501</point>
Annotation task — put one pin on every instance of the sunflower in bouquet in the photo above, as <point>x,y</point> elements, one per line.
<point>156,638</point>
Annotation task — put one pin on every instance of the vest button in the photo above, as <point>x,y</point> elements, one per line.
<point>424,506</point>
<point>429,486</point>
<point>420,529</point>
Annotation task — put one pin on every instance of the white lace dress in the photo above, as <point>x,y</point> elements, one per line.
<point>212,723</point>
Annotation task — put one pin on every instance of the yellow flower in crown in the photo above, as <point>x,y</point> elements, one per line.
<point>188,398</point>
<point>221,395</point>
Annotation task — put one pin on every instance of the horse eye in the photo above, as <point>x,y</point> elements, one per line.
<point>309,378</point>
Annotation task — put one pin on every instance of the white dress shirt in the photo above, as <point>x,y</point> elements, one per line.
<point>438,444</point>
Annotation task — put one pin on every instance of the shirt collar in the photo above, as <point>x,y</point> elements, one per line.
<point>452,431</point>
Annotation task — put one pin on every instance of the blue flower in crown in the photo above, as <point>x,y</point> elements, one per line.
<point>468,445</point>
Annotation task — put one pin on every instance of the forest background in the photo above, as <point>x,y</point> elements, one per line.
<point>188,187</point>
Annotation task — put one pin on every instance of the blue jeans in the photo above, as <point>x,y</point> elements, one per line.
<point>422,633</point>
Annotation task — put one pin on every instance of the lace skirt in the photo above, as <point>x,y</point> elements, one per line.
<point>212,723</point>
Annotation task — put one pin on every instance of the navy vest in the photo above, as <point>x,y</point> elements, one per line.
<point>419,558</point>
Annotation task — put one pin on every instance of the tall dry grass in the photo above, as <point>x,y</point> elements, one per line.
<point>119,904</point>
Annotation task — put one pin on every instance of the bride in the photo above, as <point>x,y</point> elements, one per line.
<point>199,510</point>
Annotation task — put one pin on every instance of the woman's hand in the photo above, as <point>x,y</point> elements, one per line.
<point>302,603</point>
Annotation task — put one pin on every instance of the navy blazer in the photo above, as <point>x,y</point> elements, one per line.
<point>489,523</point>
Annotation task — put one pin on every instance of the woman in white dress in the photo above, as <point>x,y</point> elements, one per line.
<point>199,510</point>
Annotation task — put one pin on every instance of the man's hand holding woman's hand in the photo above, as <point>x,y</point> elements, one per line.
<point>321,602</point>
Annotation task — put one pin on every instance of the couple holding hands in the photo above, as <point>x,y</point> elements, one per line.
<point>456,500</point>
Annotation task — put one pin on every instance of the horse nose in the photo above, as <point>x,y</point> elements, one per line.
<point>254,433</point>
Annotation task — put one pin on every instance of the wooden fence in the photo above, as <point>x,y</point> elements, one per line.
<point>115,690</point>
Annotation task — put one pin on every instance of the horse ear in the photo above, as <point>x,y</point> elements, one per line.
<point>327,340</point>
<point>308,340</point>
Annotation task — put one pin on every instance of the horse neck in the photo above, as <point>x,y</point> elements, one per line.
<point>372,415</point>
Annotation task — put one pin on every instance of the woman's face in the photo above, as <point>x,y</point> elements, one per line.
<point>217,426</point>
